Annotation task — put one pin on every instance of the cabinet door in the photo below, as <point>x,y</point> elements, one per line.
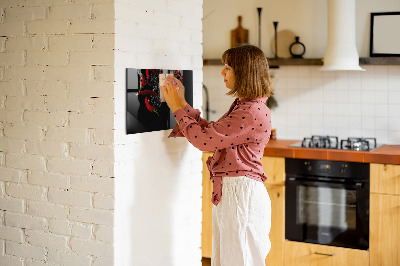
<point>277,233</point>
<point>206,232</point>
<point>385,178</point>
<point>384,229</point>
<point>274,168</point>
<point>304,254</point>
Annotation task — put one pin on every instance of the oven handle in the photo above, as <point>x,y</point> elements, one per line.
<point>357,185</point>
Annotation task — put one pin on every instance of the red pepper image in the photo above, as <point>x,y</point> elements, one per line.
<point>148,105</point>
<point>148,92</point>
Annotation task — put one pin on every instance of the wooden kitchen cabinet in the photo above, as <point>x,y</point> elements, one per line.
<point>385,178</point>
<point>206,225</point>
<point>305,254</point>
<point>385,215</point>
<point>274,168</point>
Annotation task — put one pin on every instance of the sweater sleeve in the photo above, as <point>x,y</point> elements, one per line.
<point>193,113</point>
<point>229,131</point>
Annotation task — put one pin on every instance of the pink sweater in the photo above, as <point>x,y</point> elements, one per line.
<point>238,139</point>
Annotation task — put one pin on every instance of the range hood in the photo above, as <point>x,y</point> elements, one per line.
<point>341,51</point>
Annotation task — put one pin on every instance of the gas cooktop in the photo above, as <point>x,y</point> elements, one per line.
<point>332,142</point>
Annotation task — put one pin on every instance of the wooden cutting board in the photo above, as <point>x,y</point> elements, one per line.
<point>239,35</point>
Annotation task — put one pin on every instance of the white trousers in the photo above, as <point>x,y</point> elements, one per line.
<point>241,223</point>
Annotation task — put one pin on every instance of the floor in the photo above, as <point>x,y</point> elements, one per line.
<point>206,261</point>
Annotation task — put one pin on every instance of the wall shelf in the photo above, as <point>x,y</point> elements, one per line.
<point>274,63</point>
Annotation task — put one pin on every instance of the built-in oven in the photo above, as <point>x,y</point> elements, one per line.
<point>327,202</point>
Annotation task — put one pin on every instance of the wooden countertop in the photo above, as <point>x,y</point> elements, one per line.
<point>389,154</point>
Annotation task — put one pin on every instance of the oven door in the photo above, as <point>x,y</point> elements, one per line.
<point>327,213</point>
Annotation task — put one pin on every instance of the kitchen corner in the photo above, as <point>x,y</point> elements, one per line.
<point>383,195</point>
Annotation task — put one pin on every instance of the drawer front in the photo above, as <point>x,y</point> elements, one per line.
<point>297,253</point>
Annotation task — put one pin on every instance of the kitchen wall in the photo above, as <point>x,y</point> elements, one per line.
<point>158,180</point>
<point>56,132</point>
<point>342,103</point>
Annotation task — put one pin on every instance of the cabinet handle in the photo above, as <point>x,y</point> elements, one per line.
<point>325,254</point>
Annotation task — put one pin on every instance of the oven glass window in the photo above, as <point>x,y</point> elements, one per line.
<point>327,207</point>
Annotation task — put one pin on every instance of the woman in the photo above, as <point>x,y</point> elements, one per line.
<point>242,208</point>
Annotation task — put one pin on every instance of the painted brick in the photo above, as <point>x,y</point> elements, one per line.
<point>68,258</point>
<point>11,233</point>
<point>48,179</point>
<point>104,73</point>
<point>103,202</point>
<point>81,73</point>
<point>69,166</point>
<point>24,132</point>
<point>24,73</point>
<point>11,59</point>
<point>11,29</point>
<point>103,11</point>
<point>91,247</point>
<point>92,151</point>
<point>56,103</point>
<point>12,204</point>
<point>98,120</point>
<point>2,158</point>
<point>190,48</point>
<point>56,149</point>
<point>69,197</point>
<point>46,2</point>
<point>47,240</point>
<point>25,221</point>
<point>46,209</point>
<point>91,58</point>
<point>11,260</point>
<point>99,105</point>
<point>11,88</point>
<point>46,118</point>
<point>24,13</point>
<point>3,44</point>
<point>91,26</point>
<point>104,233</point>
<point>64,134</point>
<point>60,227</point>
<point>22,43</point>
<point>71,43</point>
<point>82,230</point>
<point>25,250</point>
<point>44,27</point>
<point>25,103</point>
<point>12,145</point>
<point>70,12</point>
<point>104,169</point>
<point>25,161</point>
<point>93,184</point>
<point>103,41</point>
<point>105,260</point>
<point>25,191</point>
<point>95,216</point>
<point>46,58</point>
<point>2,214</point>
<point>32,262</point>
<point>101,136</point>
<point>12,117</point>
<point>46,88</point>
<point>91,89</point>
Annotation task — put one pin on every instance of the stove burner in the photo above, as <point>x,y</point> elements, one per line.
<point>358,144</point>
<point>328,142</point>
<point>332,142</point>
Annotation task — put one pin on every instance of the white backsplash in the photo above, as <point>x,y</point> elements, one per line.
<point>313,102</point>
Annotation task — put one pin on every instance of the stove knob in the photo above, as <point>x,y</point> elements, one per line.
<point>343,168</point>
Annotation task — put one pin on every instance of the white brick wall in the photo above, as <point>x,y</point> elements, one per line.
<point>158,180</point>
<point>56,132</point>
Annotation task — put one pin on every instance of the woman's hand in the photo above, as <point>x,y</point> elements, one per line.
<point>174,94</point>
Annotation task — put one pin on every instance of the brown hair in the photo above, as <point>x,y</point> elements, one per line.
<point>250,66</point>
